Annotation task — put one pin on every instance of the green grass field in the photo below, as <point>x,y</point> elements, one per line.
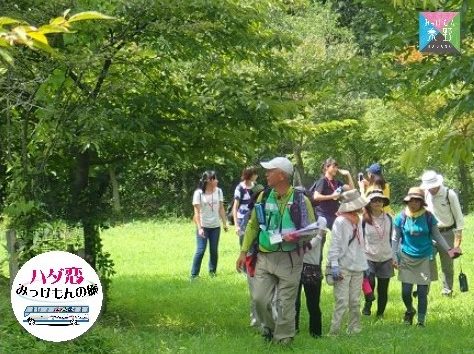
<point>155,308</point>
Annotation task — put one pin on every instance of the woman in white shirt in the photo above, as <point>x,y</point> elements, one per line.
<point>208,203</point>
<point>377,229</point>
<point>347,261</point>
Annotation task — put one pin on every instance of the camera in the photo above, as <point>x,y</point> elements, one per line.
<point>360,176</point>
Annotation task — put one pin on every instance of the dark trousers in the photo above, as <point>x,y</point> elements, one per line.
<point>211,234</point>
<point>313,295</point>
<point>382,293</point>
<point>422,291</point>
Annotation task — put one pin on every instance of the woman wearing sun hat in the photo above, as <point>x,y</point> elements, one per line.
<point>377,229</point>
<point>347,260</point>
<point>415,228</point>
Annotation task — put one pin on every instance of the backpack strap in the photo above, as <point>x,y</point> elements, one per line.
<point>354,235</point>
<point>391,227</point>
<point>428,216</point>
<point>242,192</point>
<point>429,219</point>
<point>449,203</point>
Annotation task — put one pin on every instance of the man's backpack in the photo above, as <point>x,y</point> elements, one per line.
<point>251,204</point>
<point>229,212</point>
<point>309,194</point>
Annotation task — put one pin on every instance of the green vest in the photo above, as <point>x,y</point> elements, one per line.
<point>277,223</point>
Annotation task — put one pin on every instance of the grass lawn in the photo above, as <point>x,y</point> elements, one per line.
<point>155,308</point>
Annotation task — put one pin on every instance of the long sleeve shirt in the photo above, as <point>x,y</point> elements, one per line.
<point>447,212</point>
<point>343,252</point>
<point>314,255</point>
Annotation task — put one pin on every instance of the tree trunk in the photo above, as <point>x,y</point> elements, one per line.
<point>80,208</point>
<point>117,208</point>
<point>91,235</point>
<point>466,183</point>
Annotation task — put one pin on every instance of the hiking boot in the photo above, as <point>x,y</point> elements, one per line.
<point>212,274</point>
<point>286,341</point>
<point>420,324</point>
<point>366,310</point>
<point>193,278</point>
<point>447,292</point>
<point>267,334</point>
<point>408,318</point>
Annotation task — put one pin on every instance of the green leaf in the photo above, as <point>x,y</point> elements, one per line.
<point>58,21</point>
<point>89,15</point>
<point>45,48</point>
<point>9,21</point>
<point>53,29</point>
<point>6,56</point>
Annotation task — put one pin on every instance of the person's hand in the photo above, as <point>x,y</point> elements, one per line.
<point>226,228</point>
<point>454,252</point>
<point>394,264</point>
<point>291,237</point>
<point>336,195</point>
<point>336,273</point>
<point>201,232</point>
<point>237,229</point>
<point>344,172</point>
<point>240,264</point>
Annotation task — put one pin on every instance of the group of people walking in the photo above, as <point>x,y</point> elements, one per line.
<point>367,243</point>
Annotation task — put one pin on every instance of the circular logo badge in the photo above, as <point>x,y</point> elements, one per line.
<point>56,289</point>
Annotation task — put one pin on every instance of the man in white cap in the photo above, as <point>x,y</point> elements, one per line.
<point>445,206</point>
<point>280,259</point>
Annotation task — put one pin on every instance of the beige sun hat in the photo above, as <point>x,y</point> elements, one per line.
<point>378,193</point>
<point>351,201</point>
<point>415,193</point>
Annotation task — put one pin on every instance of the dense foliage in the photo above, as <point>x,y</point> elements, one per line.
<point>125,115</point>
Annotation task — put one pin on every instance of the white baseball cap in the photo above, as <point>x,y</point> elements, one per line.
<point>281,163</point>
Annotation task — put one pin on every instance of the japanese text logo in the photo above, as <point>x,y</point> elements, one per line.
<point>440,32</point>
<point>56,289</point>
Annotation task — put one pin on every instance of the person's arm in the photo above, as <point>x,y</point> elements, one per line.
<point>251,233</point>
<point>457,216</point>
<point>235,207</point>
<point>197,219</point>
<point>321,197</point>
<point>436,235</point>
<point>396,237</point>
<point>337,247</point>
<point>363,186</point>
<point>348,177</point>
<point>318,190</point>
<point>222,209</point>
<point>222,215</point>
